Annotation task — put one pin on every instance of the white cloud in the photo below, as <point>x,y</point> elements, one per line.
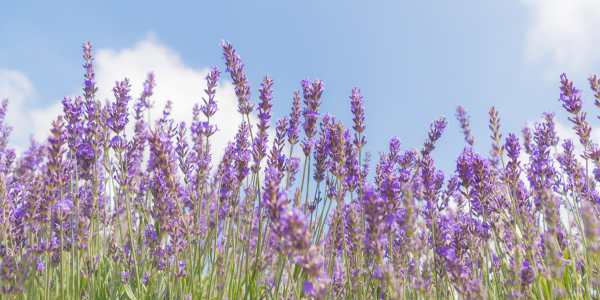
<point>563,35</point>
<point>40,120</point>
<point>565,131</point>
<point>18,89</point>
<point>182,84</point>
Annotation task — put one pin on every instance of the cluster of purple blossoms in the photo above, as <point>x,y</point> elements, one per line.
<point>435,132</point>
<point>312,92</point>
<point>463,119</point>
<point>572,103</point>
<point>235,67</point>
<point>209,107</point>
<point>259,150</point>
<point>99,210</point>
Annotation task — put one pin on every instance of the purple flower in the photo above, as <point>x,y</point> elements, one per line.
<point>527,143</point>
<point>124,277</point>
<point>323,148</point>
<point>513,149</point>
<point>410,230</point>
<point>527,273</point>
<point>181,269</point>
<point>64,206</point>
<point>351,227</point>
<point>358,112</point>
<point>595,86</point>
<point>309,288</point>
<point>374,209</point>
<point>463,119</point>
<point>435,132</point>
<point>144,100</point>
<point>150,234</point>
<point>276,157</point>
<point>89,89</point>
<point>85,154</point>
<point>209,107</point>
<point>496,135</point>
<point>294,126</point>
<point>40,266</point>
<point>312,92</point>
<point>478,177</point>
<point>432,181</point>
<point>541,172</point>
<point>569,95</point>
<point>351,167</point>
<point>162,165</point>
<point>235,67</point>
<point>571,102</point>
<point>292,167</point>
<point>264,116</point>
<point>228,175</point>
<point>73,110</point>
<point>55,165</point>
<point>296,243</point>
<point>242,152</point>
<point>183,153</point>
<point>576,180</point>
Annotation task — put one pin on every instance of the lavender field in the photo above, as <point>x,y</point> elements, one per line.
<point>121,204</point>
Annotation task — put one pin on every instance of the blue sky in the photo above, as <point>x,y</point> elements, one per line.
<point>413,60</point>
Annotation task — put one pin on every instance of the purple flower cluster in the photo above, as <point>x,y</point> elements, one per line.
<point>312,92</point>
<point>100,210</point>
<point>235,67</point>
<point>572,103</point>
<point>463,119</point>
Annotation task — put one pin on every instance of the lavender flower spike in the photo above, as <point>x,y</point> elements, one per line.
<point>293,128</point>
<point>571,102</point>
<point>595,86</point>
<point>435,132</point>
<point>235,67</point>
<point>209,107</point>
<point>89,89</point>
<point>118,114</point>
<point>358,112</point>
<point>463,119</point>
<point>312,92</point>
<point>148,91</point>
<point>264,116</point>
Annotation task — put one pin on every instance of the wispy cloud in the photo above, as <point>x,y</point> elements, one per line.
<point>15,86</point>
<point>563,35</point>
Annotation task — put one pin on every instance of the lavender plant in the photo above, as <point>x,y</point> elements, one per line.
<point>102,212</point>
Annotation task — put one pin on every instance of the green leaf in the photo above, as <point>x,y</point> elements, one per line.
<point>130,293</point>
